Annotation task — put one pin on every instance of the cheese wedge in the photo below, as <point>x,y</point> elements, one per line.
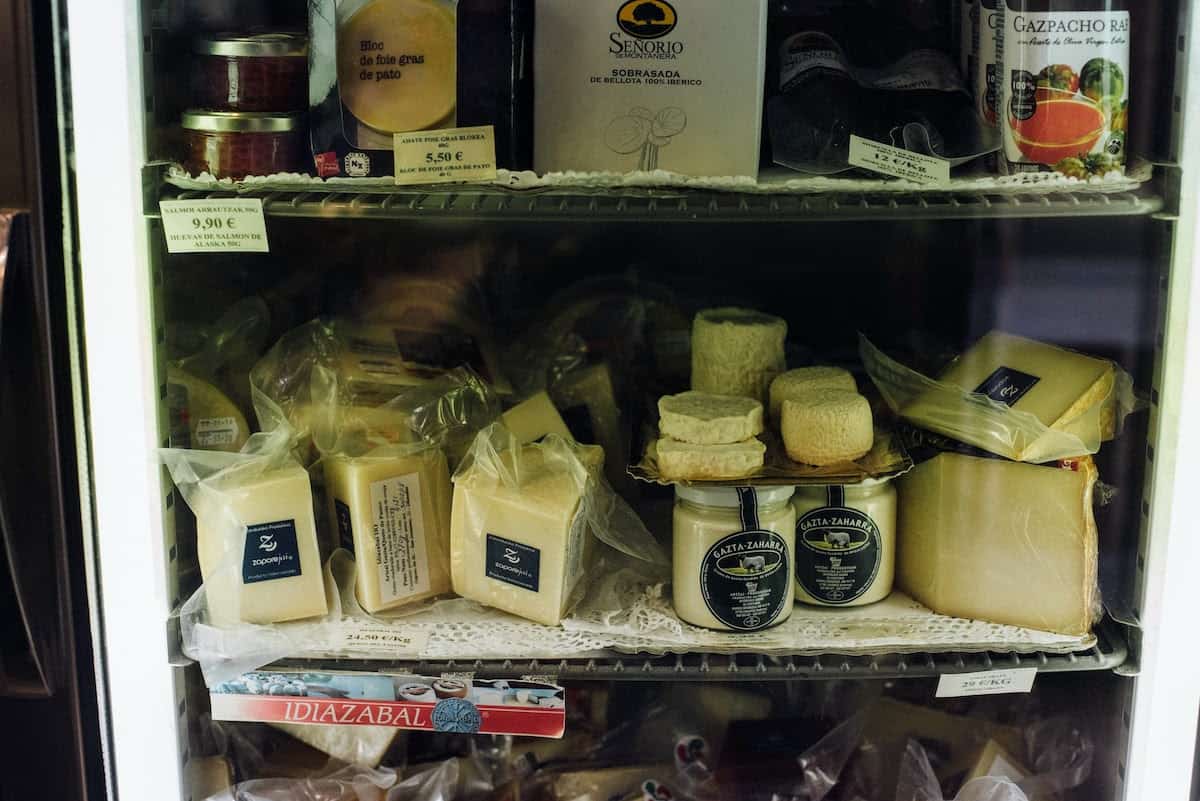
<point>534,418</point>
<point>203,417</point>
<point>706,419</point>
<point>1000,541</point>
<point>827,426</point>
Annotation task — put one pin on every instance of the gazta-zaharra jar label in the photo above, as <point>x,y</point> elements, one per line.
<point>838,550</point>
<point>1066,87</point>
<point>744,577</point>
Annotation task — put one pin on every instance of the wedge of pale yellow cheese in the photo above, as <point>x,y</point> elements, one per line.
<point>534,418</point>
<point>1066,391</point>
<point>1000,541</point>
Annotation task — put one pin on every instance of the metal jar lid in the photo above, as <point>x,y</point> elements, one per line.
<point>241,121</point>
<point>259,45</point>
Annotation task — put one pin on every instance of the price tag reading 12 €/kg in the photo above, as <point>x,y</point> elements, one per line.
<point>214,226</point>
<point>443,157</point>
<point>897,162</point>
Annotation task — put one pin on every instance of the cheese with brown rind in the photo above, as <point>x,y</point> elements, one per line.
<point>1000,541</point>
<point>686,461</point>
<point>789,385</point>
<point>827,426</point>
<point>703,418</point>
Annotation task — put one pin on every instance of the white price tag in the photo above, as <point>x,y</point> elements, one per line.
<point>896,162</point>
<point>360,637</point>
<point>988,682</point>
<point>214,226</point>
<point>443,157</point>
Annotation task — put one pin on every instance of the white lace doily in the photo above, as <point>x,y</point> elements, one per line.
<point>772,181</point>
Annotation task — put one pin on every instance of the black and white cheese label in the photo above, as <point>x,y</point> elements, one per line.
<point>1007,385</point>
<point>744,577</point>
<point>838,551</point>
<point>401,556</point>
<point>513,562</point>
<point>271,552</point>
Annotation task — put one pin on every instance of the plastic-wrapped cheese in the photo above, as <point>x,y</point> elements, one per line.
<point>202,416</point>
<point>257,542</point>
<point>1000,541</point>
<point>737,351</point>
<point>828,426</point>
<point>793,383</point>
<point>534,418</point>
<point>707,419</point>
<point>518,541</point>
<point>356,745</point>
<point>394,511</point>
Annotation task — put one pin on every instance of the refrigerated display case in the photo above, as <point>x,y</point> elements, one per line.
<point>587,287</point>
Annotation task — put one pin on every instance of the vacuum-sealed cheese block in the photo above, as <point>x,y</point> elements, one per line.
<point>1066,391</point>
<point>737,352</point>
<point>257,542</point>
<point>518,541</point>
<point>534,418</point>
<point>356,745</point>
<point>202,416</point>
<point>1000,541</point>
<point>707,419</point>
<point>394,512</point>
<point>793,383</point>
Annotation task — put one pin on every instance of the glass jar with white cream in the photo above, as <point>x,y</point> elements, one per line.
<point>845,543</point>
<point>734,551</point>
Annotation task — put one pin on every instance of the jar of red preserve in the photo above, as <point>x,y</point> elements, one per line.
<point>251,72</point>
<point>230,144</point>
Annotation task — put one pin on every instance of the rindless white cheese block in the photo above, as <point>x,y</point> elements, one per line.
<point>625,85</point>
<point>706,419</point>
<point>793,383</point>
<point>827,426</point>
<point>1065,390</point>
<point>521,546</point>
<point>394,512</point>
<point>686,461</point>
<point>257,544</point>
<point>737,352</point>
<point>534,418</point>
<point>1000,541</point>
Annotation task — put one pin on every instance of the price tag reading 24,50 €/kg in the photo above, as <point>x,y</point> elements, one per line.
<point>443,157</point>
<point>214,226</point>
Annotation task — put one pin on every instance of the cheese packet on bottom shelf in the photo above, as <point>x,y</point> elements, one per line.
<point>255,529</point>
<point>1017,398</point>
<point>525,521</point>
<point>1001,541</point>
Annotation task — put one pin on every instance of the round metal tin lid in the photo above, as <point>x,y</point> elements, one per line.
<point>240,122</point>
<point>259,45</point>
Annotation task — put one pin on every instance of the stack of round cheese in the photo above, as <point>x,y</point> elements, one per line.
<point>709,436</point>
<point>822,417</point>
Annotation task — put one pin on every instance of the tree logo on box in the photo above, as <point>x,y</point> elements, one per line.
<point>647,19</point>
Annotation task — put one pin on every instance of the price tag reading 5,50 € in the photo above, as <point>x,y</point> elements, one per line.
<point>444,157</point>
<point>214,226</point>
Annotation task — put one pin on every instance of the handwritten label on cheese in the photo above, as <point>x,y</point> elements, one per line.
<point>442,157</point>
<point>988,682</point>
<point>898,163</point>
<point>214,226</point>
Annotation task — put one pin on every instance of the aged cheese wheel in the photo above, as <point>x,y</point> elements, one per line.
<point>737,351</point>
<point>790,385</point>
<point>827,426</point>
<point>706,419</point>
<point>686,461</point>
<point>398,63</point>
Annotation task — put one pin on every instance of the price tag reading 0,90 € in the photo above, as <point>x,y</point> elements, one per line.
<point>214,226</point>
<point>443,157</point>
